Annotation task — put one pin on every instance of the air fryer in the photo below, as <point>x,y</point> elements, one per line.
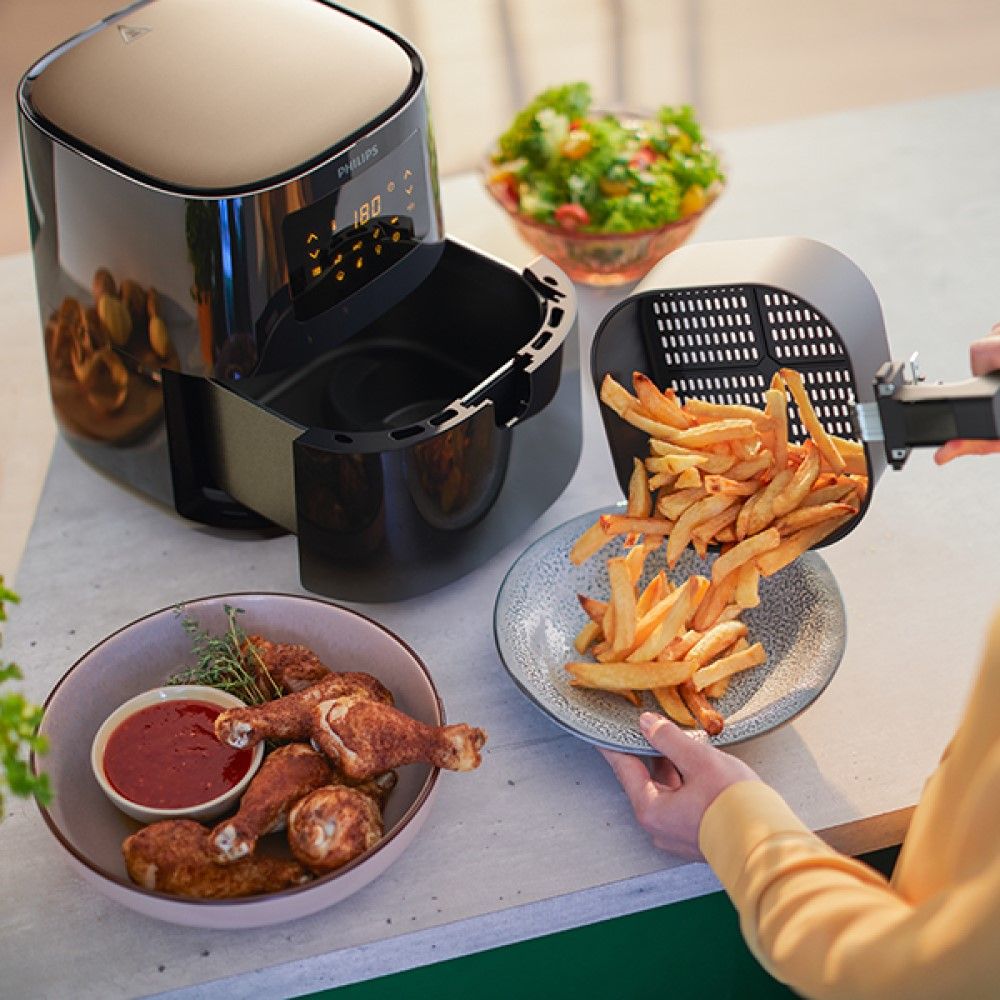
<point>251,312</point>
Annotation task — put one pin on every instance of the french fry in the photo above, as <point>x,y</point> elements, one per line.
<point>719,688</point>
<point>714,641</point>
<point>795,545</point>
<point>622,524</point>
<point>719,430</point>
<point>672,623</point>
<point>729,613</point>
<point>763,509</point>
<point>652,618</point>
<point>681,646</point>
<point>752,467</point>
<point>657,588</point>
<point>640,500</point>
<point>745,513</point>
<point>707,530</point>
<point>623,602</point>
<point>688,479</point>
<point>853,454</point>
<point>811,422</point>
<point>747,593</point>
<point>840,491</point>
<point>699,512</point>
<point>674,505</point>
<point>620,676</point>
<point>675,464</point>
<point>708,718</point>
<point>588,544</point>
<point>730,487</point>
<point>716,598</point>
<point>635,560</point>
<point>776,406</point>
<point>801,482</point>
<point>658,405</point>
<point>587,636</point>
<point>715,463</point>
<point>616,396</point>
<point>706,411</point>
<point>662,480</point>
<point>608,628</point>
<point>593,608</point>
<point>745,551</point>
<point>726,666</point>
<point>673,706</point>
<point>805,517</point>
<point>745,449</point>
<point>653,428</point>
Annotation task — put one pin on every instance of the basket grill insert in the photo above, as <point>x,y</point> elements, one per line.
<point>723,344</point>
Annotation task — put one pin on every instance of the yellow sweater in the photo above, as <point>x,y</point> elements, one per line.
<point>829,926</point>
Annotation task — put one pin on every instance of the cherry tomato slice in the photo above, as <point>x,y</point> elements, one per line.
<point>571,216</point>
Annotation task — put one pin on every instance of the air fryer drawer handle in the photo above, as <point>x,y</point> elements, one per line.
<point>559,298</point>
<point>526,384</point>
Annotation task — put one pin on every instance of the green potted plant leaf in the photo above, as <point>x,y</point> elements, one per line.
<point>19,722</point>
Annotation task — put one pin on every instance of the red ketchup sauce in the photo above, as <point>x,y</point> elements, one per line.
<point>166,756</point>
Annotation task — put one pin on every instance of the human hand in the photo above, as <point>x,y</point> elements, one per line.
<point>984,357</point>
<point>685,780</point>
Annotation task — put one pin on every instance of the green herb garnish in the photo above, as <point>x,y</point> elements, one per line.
<point>19,722</point>
<point>229,662</point>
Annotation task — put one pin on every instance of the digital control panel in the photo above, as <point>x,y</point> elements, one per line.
<point>340,243</point>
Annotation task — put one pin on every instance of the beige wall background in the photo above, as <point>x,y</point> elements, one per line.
<point>741,62</point>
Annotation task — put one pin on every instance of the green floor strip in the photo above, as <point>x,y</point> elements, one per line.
<point>689,949</point>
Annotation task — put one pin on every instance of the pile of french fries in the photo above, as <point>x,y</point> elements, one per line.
<point>724,476</point>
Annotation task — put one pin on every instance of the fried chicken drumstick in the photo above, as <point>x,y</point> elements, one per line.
<point>332,826</point>
<point>287,775</point>
<point>289,667</point>
<point>290,718</point>
<point>175,856</point>
<point>365,738</point>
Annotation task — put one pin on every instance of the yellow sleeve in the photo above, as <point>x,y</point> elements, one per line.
<point>829,926</point>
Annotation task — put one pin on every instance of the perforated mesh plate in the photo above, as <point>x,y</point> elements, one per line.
<point>724,343</point>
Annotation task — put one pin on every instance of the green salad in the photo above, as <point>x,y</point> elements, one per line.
<point>562,164</point>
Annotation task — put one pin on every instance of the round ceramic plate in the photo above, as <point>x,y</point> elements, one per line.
<point>800,621</point>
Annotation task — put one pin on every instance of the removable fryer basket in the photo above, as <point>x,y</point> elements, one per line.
<point>716,321</point>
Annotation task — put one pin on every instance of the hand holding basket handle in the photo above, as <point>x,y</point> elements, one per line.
<point>984,357</point>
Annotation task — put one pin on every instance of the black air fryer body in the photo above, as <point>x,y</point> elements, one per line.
<point>257,319</point>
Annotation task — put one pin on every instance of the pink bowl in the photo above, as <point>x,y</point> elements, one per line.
<point>604,258</point>
<point>141,656</point>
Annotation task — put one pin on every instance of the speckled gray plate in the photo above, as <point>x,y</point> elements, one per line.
<point>800,621</point>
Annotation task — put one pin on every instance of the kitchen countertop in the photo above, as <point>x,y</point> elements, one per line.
<point>540,838</point>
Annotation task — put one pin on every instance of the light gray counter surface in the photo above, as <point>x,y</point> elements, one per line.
<point>539,839</point>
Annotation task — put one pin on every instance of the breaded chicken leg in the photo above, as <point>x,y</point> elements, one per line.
<point>332,826</point>
<point>174,856</point>
<point>289,667</point>
<point>286,775</point>
<point>290,718</point>
<point>364,738</point>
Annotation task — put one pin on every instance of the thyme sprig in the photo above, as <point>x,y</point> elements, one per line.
<point>229,662</point>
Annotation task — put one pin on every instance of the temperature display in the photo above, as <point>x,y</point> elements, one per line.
<point>340,243</point>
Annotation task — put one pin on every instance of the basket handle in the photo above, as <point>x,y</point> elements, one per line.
<point>918,415</point>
